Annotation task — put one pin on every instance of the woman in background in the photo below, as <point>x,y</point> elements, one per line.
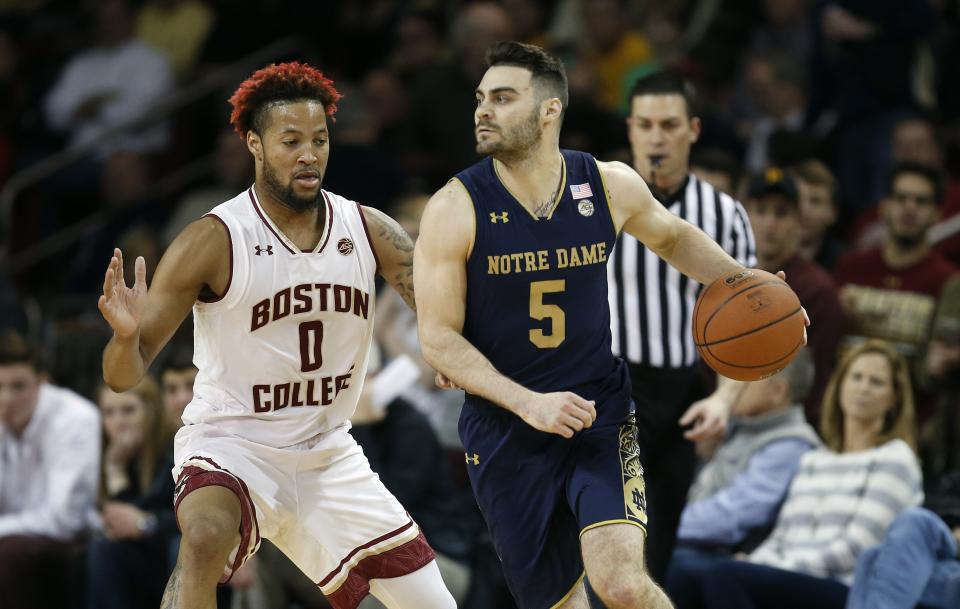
<point>842,499</point>
<point>128,564</point>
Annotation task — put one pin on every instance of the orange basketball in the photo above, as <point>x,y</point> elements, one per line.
<point>748,325</point>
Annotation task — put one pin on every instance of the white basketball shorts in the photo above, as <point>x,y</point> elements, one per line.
<point>318,502</point>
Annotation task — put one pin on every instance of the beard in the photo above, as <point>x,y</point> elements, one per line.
<point>516,143</point>
<point>285,193</point>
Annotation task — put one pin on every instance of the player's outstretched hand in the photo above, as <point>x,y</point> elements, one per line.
<point>121,306</point>
<point>806,318</point>
<point>562,413</point>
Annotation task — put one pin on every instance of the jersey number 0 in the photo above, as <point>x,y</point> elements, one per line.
<point>311,340</point>
<point>540,310</point>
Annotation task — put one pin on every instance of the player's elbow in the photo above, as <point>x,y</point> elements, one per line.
<point>431,346</point>
<point>118,383</point>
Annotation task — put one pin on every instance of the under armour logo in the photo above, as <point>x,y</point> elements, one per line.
<point>475,459</point>
<point>501,217</point>
<point>260,250</point>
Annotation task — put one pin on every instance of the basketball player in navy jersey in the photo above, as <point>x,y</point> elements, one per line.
<point>511,287</point>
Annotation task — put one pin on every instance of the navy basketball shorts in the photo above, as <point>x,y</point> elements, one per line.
<point>540,492</point>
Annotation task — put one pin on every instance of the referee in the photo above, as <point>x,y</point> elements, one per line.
<point>651,306</point>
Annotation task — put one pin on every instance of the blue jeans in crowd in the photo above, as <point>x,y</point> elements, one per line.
<point>916,563</point>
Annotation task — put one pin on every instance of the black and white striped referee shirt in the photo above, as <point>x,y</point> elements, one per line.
<point>651,303</point>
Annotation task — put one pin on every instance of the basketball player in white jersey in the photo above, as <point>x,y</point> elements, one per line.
<point>281,283</point>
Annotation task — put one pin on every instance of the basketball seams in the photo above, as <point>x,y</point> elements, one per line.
<point>749,332</point>
<point>764,365</point>
<point>720,306</point>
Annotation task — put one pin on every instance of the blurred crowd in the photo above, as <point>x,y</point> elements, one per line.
<point>835,122</point>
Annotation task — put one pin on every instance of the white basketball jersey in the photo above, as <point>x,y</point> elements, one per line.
<point>283,352</point>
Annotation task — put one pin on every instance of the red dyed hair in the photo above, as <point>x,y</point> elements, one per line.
<point>279,82</point>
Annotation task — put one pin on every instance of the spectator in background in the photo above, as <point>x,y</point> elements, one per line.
<point>891,291</point>
<point>49,458</point>
<point>940,439</point>
<point>718,168</point>
<point>128,564</point>
<point>778,87</point>
<point>115,82</point>
<point>914,140</point>
<point>787,30</point>
<point>418,44</point>
<point>529,21</point>
<point>918,561</point>
<point>842,498</point>
<point>176,28</point>
<point>773,207</point>
<point>612,56</point>
<point>735,498</point>
<point>818,213</point>
<point>177,375</point>
<point>864,56</point>
<point>439,140</point>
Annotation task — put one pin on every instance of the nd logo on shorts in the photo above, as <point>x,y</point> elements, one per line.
<point>634,487</point>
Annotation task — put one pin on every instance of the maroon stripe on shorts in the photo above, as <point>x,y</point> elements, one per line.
<point>193,477</point>
<point>402,560</point>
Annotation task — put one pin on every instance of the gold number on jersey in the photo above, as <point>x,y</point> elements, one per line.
<point>539,310</point>
<point>311,339</point>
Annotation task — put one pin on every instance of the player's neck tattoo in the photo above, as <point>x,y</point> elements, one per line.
<point>543,208</point>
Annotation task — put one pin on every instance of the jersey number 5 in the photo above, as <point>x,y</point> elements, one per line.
<point>539,310</point>
<point>311,339</point>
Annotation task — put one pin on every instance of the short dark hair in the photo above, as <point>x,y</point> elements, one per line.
<point>545,69</point>
<point>14,349</point>
<point>932,174</point>
<point>179,359</point>
<point>720,160</point>
<point>666,82</point>
<point>278,83</point>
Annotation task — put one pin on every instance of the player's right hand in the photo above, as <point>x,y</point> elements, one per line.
<point>121,306</point>
<point>562,413</point>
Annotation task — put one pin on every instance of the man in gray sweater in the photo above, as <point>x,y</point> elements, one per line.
<point>734,499</point>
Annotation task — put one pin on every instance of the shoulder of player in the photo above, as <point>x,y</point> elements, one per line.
<point>386,233</point>
<point>202,245</point>
<point>448,219</point>
<point>625,187</point>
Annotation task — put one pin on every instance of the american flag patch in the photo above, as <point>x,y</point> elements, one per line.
<point>581,191</point>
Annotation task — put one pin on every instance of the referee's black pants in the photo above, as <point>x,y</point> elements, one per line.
<point>661,396</point>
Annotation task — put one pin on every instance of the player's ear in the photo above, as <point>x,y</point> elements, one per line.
<point>255,145</point>
<point>552,108</point>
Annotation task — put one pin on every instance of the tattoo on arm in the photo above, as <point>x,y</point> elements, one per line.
<point>401,278</point>
<point>171,595</point>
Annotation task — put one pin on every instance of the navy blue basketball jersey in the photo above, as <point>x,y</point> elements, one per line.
<point>537,288</point>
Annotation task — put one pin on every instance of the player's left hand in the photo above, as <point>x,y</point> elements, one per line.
<point>708,416</point>
<point>121,520</point>
<point>806,318</point>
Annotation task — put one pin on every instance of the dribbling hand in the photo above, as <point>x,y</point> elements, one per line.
<point>121,306</point>
<point>562,413</point>
<point>806,318</point>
